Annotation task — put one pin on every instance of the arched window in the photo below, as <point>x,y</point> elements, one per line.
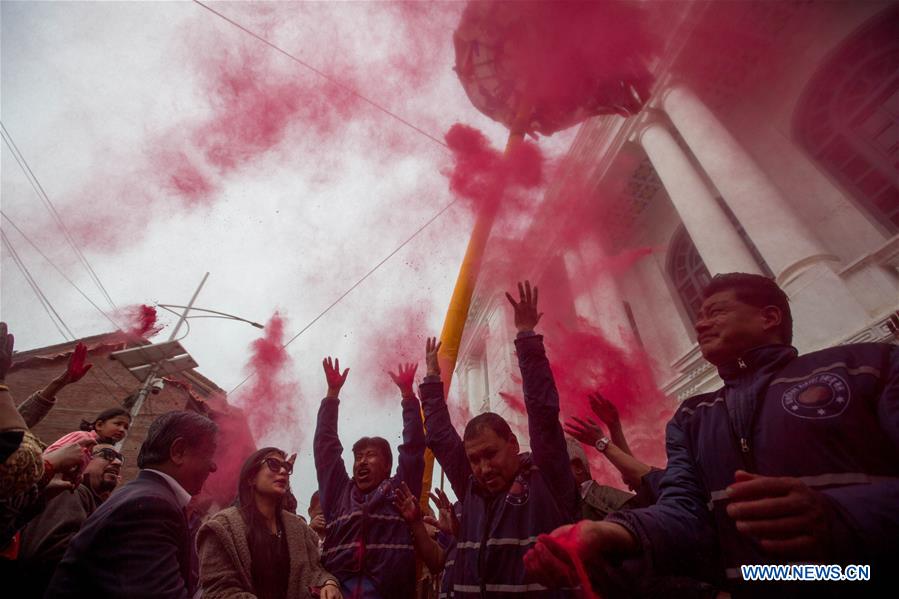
<point>848,117</point>
<point>688,272</point>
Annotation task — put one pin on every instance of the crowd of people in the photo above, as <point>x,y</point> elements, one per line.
<point>794,460</point>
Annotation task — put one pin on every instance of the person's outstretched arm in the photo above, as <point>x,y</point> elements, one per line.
<point>39,404</point>
<point>411,461</point>
<point>541,399</point>
<point>440,435</point>
<point>327,450</point>
<point>608,413</point>
<point>10,418</point>
<point>427,549</point>
<point>589,433</point>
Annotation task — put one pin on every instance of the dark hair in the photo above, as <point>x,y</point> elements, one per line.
<point>378,443</point>
<point>192,427</point>
<point>257,533</point>
<point>757,291</point>
<point>108,414</point>
<point>490,420</point>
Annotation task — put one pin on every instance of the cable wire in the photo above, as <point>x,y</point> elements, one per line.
<point>42,194</point>
<point>45,303</point>
<point>356,284</point>
<point>324,75</point>
<point>59,270</point>
<point>68,335</point>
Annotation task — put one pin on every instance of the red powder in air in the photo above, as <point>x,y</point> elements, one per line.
<point>139,321</point>
<point>584,360</point>
<point>484,177</point>
<point>399,334</point>
<point>184,178</point>
<point>272,398</point>
<point>513,401</point>
<point>235,444</point>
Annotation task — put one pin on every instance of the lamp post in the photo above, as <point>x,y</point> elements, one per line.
<point>147,361</point>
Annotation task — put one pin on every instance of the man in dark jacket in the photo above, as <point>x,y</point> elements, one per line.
<point>367,545</point>
<point>794,461</point>
<point>137,544</point>
<point>45,539</point>
<point>508,498</point>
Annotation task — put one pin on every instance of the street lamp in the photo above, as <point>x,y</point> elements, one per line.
<point>148,361</point>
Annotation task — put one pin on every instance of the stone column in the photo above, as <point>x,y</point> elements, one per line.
<point>785,242</point>
<point>824,309</point>
<point>715,238</point>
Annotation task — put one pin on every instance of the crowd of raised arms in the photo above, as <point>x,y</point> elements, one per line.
<point>794,459</point>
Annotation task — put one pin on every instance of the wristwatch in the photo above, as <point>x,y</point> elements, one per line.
<point>602,444</point>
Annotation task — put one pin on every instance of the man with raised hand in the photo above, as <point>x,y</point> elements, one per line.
<point>508,497</point>
<point>45,539</point>
<point>138,544</point>
<point>368,546</point>
<point>794,461</point>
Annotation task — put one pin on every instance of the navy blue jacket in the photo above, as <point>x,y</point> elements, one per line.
<point>367,541</point>
<point>135,545</point>
<point>830,418</point>
<point>495,534</point>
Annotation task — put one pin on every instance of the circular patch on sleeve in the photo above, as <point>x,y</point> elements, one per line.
<point>823,395</point>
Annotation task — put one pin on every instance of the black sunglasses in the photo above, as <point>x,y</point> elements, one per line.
<point>110,455</point>
<point>275,465</point>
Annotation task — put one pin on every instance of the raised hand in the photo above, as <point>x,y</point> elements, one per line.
<point>587,431</point>
<point>784,516</point>
<point>335,378</point>
<point>446,520</point>
<point>432,346</point>
<point>526,315</point>
<point>6,344</point>
<point>70,457</point>
<point>404,377</point>
<point>77,366</point>
<point>406,504</point>
<point>605,409</point>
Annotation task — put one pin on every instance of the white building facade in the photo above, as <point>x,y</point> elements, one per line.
<point>782,159</point>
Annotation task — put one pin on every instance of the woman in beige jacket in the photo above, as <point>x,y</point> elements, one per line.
<point>258,550</point>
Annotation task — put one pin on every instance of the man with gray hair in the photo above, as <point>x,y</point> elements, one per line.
<point>137,544</point>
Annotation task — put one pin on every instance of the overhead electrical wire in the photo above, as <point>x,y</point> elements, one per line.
<point>369,101</point>
<point>39,189</point>
<point>370,272</point>
<point>59,270</point>
<point>42,194</point>
<point>324,75</point>
<point>44,301</point>
<point>66,334</point>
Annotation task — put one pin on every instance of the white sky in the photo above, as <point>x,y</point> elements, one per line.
<point>90,89</point>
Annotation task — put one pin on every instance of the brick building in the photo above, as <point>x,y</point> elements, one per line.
<point>110,384</point>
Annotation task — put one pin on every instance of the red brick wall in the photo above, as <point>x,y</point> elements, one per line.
<point>90,396</point>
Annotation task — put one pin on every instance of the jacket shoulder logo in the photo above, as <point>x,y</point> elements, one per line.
<point>823,395</point>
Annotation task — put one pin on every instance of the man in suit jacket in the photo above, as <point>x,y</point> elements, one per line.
<point>137,544</point>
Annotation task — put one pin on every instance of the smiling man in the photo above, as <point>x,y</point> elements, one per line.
<point>367,545</point>
<point>508,497</point>
<point>45,539</point>
<point>137,544</point>
<point>795,459</point>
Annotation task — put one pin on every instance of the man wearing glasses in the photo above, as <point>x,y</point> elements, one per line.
<point>45,539</point>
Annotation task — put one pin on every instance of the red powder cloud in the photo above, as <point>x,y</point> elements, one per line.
<point>139,321</point>
<point>271,399</point>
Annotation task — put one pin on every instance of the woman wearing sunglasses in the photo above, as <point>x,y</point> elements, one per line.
<point>258,549</point>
